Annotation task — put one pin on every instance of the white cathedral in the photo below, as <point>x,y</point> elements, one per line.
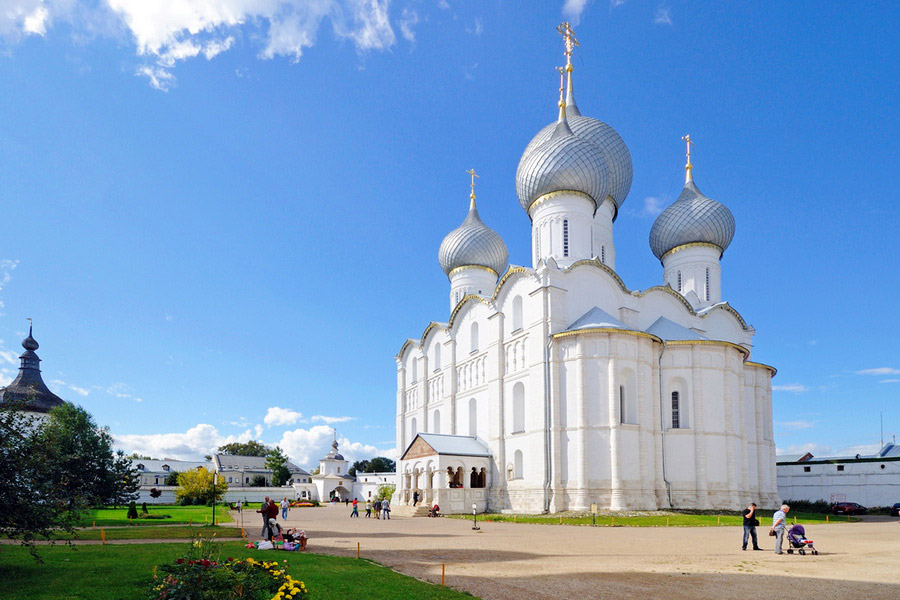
<point>553,387</point>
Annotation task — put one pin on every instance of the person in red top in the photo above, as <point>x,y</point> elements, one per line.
<point>355,512</point>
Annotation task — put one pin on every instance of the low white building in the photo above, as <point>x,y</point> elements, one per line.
<point>452,471</point>
<point>153,473</point>
<point>870,480</point>
<point>334,481</point>
<point>240,471</point>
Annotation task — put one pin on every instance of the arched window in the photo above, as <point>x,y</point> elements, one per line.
<point>414,376</point>
<point>437,357</point>
<point>517,313</point>
<point>473,417</point>
<point>707,284</point>
<point>413,428</point>
<point>474,335</point>
<point>675,411</point>
<point>519,464</point>
<point>679,282</point>
<point>436,422</point>
<point>518,407</point>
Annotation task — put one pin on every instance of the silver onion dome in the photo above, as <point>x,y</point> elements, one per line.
<point>563,161</point>
<point>692,218</point>
<point>615,153</point>
<point>473,244</point>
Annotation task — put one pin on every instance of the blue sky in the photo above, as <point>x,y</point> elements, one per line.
<point>224,215</point>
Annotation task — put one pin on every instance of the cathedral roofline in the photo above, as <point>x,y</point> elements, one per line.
<point>760,365</point>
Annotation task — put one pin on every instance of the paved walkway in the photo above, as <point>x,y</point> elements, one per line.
<point>509,561</point>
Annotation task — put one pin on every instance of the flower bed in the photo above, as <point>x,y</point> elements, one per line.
<point>202,575</point>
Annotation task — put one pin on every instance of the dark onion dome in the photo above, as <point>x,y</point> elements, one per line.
<point>473,244</point>
<point>28,391</point>
<point>692,218</point>
<point>614,154</point>
<point>334,454</point>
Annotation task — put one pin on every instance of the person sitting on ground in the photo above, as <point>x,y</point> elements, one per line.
<point>290,535</point>
<point>435,511</point>
<point>302,539</point>
<point>275,528</point>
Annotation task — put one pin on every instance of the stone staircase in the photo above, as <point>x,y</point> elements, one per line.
<point>410,511</point>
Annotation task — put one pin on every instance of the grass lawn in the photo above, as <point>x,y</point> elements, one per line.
<point>108,517</point>
<point>122,572</point>
<point>158,533</point>
<point>658,519</point>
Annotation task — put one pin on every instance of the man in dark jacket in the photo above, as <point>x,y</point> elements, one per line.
<point>750,523</point>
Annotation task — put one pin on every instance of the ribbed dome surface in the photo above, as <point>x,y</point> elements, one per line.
<point>473,244</point>
<point>615,152</point>
<point>692,218</point>
<point>563,161</point>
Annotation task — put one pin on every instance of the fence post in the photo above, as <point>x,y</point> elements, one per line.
<point>357,549</point>
<point>443,569</point>
<point>719,520</point>
<point>667,521</point>
<point>102,537</point>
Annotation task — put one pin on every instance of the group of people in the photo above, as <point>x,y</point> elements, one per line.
<point>272,530</point>
<point>796,535</point>
<point>382,509</point>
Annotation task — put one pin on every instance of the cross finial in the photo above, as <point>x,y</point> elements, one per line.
<point>30,325</point>
<point>688,176</point>
<point>565,29</point>
<point>472,193</point>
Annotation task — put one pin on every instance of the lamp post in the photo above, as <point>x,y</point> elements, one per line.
<point>475,517</point>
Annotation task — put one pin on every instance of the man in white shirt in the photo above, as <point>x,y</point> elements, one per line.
<point>779,522</point>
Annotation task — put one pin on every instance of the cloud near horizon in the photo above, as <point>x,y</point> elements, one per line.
<point>165,33</point>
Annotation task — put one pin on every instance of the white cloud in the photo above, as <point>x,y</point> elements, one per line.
<point>791,387</point>
<point>408,20</point>
<point>573,9</point>
<point>258,429</point>
<point>166,32</point>
<point>306,446</point>
<point>801,424</point>
<point>477,27</point>
<point>8,355</point>
<point>443,4</point>
<point>889,381</point>
<point>616,3</point>
<point>6,268</point>
<point>662,16</point>
<point>281,416</point>
<point>652,207</point>
<point>879,371</point>
<point>193,444</point>
<point>331,420</point>
<point>59,384</point>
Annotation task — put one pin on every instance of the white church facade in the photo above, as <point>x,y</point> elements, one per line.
<point>555,386</point>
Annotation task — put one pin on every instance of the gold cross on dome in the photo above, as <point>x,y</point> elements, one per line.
<point>688,177</point>
<point>565,29</point>
<point>474,175</point>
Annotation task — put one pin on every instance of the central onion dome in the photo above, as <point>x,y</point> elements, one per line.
<point>602,169</point>
<point>473,244</point>
<point>692,218</point>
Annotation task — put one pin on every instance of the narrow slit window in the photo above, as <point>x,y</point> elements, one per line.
<point>679,282</point>
<point>565,237</point>
<point>621,404</point>
<point>707,284</point>
<point>676,417</point>
<point>603,254</point>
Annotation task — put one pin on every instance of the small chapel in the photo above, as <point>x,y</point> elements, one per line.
<point>554,386</point>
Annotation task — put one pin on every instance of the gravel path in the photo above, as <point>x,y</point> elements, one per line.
<point>509,561</point>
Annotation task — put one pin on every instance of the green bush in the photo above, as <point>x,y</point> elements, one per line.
<point>132,510</point>
<point>809,506</point>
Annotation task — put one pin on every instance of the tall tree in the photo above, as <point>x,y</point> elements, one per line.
<point>251,448</point>
<point>123,481</point>
<point>196,487</point>
<point>276,461</point>
<point>359,466</point>
<point>381,464</point>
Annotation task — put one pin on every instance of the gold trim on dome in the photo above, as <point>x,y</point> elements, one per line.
<point>738,347</point>
<point>462,302</point>
<point>543,197</point>
<point>769,368</point>
<point>668,289</point>
<point>464,267</point>
<point>602,266</point>
<point>681,247</point>
<point>509,272</point>
<point>631,332</point>
<point>432,325</point>
<point>729,309</point>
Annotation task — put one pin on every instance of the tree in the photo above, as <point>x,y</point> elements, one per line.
<point>385,491</point>
<point>196,487</point>
<point>258,481</point>
<point>358,467</point>
<point>276,461</point>
<point>251,448</point>
<point>381,464</point>
<point>137,456</point>
<point>51,471</point>
<point>172,478</point>
<point>122,482</point>
<point>155,493</point>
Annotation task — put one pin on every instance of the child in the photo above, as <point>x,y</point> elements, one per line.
<point>302,539</point>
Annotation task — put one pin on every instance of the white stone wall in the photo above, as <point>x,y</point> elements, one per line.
<point>875,483</point>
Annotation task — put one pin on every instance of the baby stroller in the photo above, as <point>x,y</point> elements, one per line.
<point>796,538</point>
<point>435,511</point>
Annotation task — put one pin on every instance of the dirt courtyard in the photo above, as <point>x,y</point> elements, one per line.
<point>510,561</point>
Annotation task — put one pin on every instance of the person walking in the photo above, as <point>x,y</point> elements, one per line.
<point>264,511</point>
<point>240,505</point>
<point>779,522</point>
<point>285,505</point>
<point>368,509</point>
<point>415,498</point>
<point>355,512</point>
<point>377,507</point>
<point>386,509</point>
<point>750,524</point>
